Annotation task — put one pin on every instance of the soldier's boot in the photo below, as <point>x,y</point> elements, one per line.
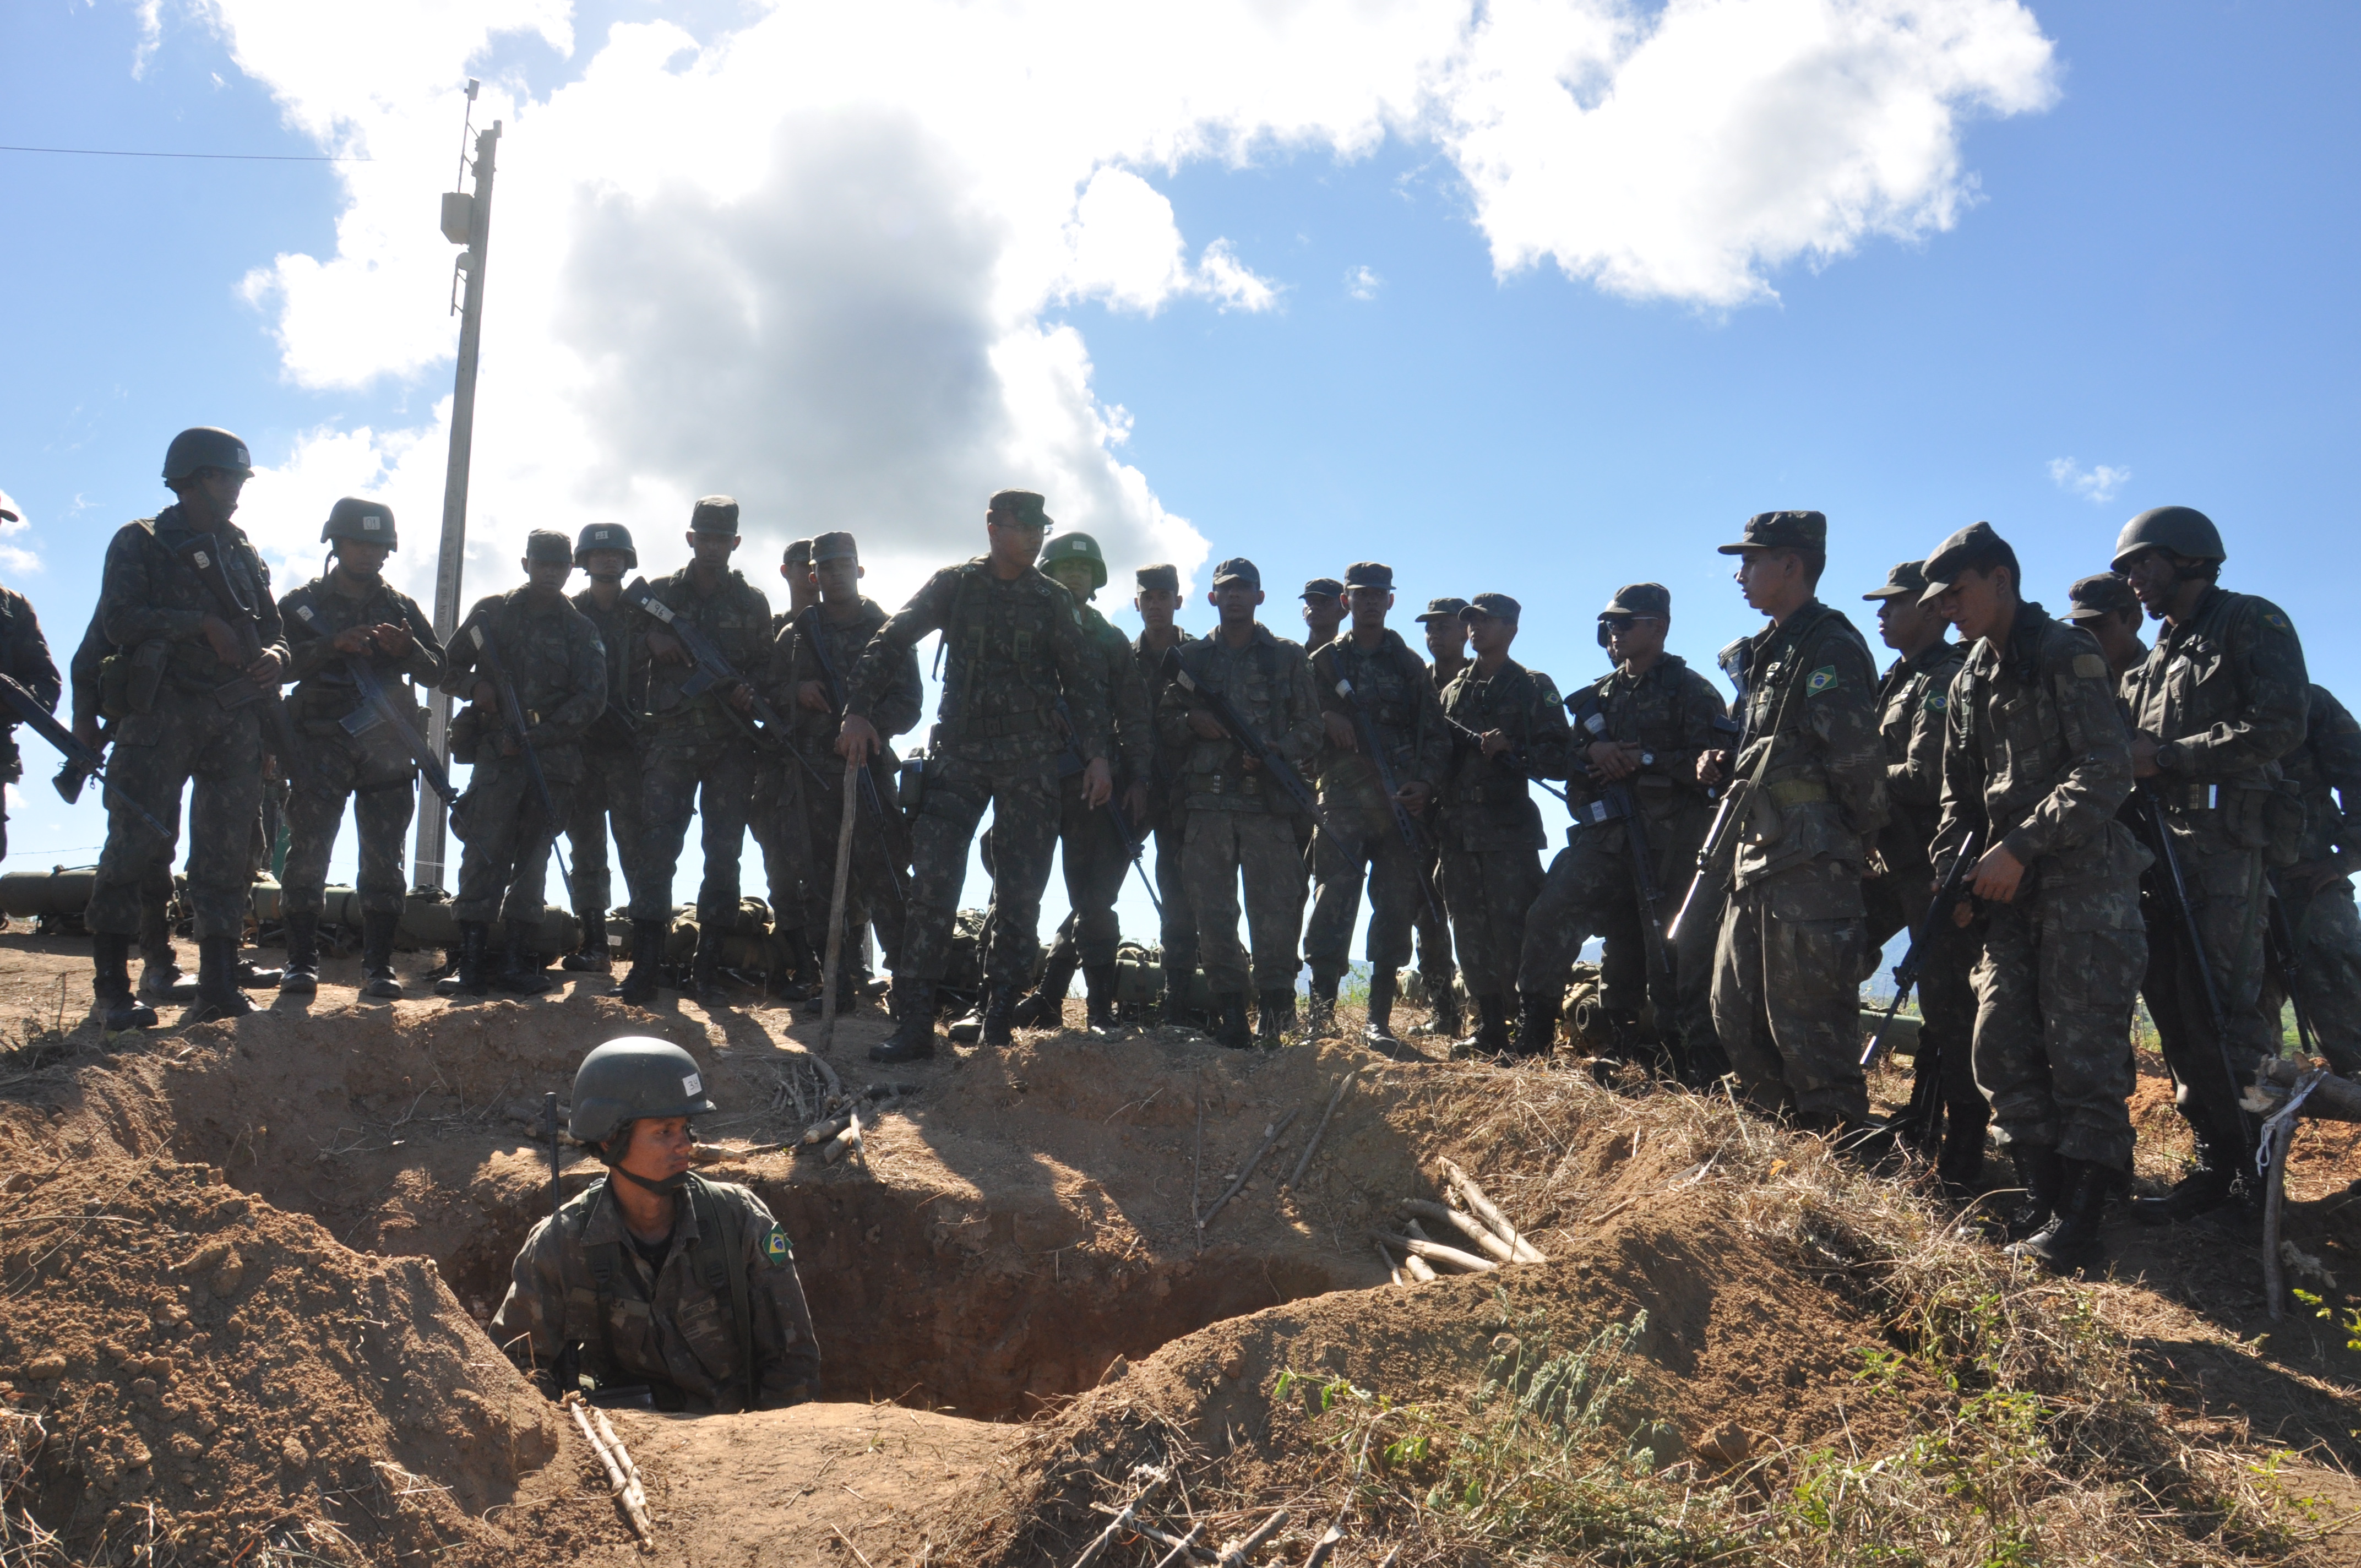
<point>1492,1036</point>
<point>847,991</point>
<point>999,1021</point>
<point>160,971</point>
<point>2038,1173</point>
<point>252,976</point>
<point>377,927</point>
<point>1320,1007</point>
<point>474,937</point>
<point>968,1027</point>
<point>1536,1023</point>
<point>1378,1034</point>
<point>1098,982</point>
<point>1179,982</point>
<point>302,975</point>
<point>219,993</point>
<point>2211,1182</point>
<point>111,984</point>
<point>520,964</point>
<point>1045,1008</point>
<point>639,986</point>
<point>1275,1014</point>
<point>913,1038</point>
<point>705,970</point>
<point>1960,1165</point>
<point>789,979</point>
<point>1443,1008</point>
<point>1230,1026</point>
<point>2070,1239</point>
<point>590,957</point>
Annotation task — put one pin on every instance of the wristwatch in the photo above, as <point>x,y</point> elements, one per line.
<point>2168,757</point>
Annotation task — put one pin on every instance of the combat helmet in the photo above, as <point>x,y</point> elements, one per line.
<point>605,536</point>
<point>1077,548</point>
<point>2183,530</point>
<point>205,446</point>
<point>631,1078</point>
<point>363,521</point>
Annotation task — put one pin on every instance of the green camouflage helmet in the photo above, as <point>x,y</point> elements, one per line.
<point>205,447</point>
<point>1077,548</point>
<point>365,521</point>
<point>605,536</point>
<point>2184,531</point>
<point>635,1077</point>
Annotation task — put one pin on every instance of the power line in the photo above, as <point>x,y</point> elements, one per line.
<point>235,157</point>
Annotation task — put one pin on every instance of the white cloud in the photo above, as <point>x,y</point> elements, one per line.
<point>1363,283</point>
<point>812,262</point>
<point>2096,485</point>
<point>15,558</point>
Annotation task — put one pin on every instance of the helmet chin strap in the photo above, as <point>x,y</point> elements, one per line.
<point>668,1185</point>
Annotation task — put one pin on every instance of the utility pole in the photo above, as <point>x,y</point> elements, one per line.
<point>466,220</point>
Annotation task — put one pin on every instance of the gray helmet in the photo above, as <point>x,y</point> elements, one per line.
<point>369,522</point>
<point>626,1079</point>
<point>205,447</point>
<point>605,536</point>
<point>2184,531</point>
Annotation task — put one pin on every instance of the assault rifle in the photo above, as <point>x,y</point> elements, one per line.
<point>201,555</point>
<point>378,707</point>
<point>1932,927</point>
<point>2149,812</point>
<point>1069,762</point>
<point>1377,754</point>
<point>1617,803</point>
<point>1514,759</point>
<point>513,714</point>
<point>1219,708</point>
<point>869,795</point>
<point>712,669</point>
<point>81,762</point>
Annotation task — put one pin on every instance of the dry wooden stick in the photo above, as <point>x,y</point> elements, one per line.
<point>1236,1553</point>
<point>1121,1521</point>
<point>1394,1270</point>
<point>1185,1546</point>
<point>1323,1548</point>
<point>622,1484</point>
<point>1179,1543</point>
<point>1197,1165</point>
<point>845,1142</point>
<point>634,1492</point>
<point>845,819</point>
<point>1465,1262</point>
<point>1466,1224</point>
<point>1270,1136</point>
<point>1490,1212</point>
<point>1313,1147</point>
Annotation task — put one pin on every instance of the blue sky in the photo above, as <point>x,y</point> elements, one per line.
<point>2141,267</point>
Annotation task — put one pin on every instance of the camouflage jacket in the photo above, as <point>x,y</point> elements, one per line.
<point>2036,756</point>
<point>1171,754</point>
<point>617,727</point>
<point>1811,698</point>
<point>23,658</point>
<point>1126,696</point>
<point>667,1325</point>
<point>736,619</point>
<point>148,594</point>
<point>1438,680</point>
<point>325,689</point>
<point>1672,713</point>
<point>1911,706</point>
<point>2326,771</point>
<point>816,648</point>
<point>1392,689</point>
<point>552,654</point>
<point>2228,695</point>
<point>1010,650</point>
<point>1268,681</point>
<point>1487,803</point>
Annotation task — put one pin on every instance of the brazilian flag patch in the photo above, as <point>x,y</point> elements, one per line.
<point>776,1247</point>
<point>1938,701</point>
<point>1820,680</point>
<point>2274,619</point>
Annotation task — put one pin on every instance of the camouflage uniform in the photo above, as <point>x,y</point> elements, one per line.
<point>664,1324</point>
<point>2227,695</point>
<point>1491,830</point>
<point>552,654</point>
<point>777,815</point>
<point>1398,699</point>
<point>373,769</point>
<point>83,675</point>
<point>23,658</point>
<point>608,790</point>
<point>149,599</point>
<point>1241,825</point>
<point>2326,770</point>
<point>697,755</point>
<point>2035,755</point>
<point>1794,948</point>
<point>1169,820</point>
<point>1014,650</point>
<point>1431,925</point>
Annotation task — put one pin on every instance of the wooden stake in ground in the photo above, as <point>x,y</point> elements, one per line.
<point>1270,1135</point>
<point>623,1480</point>
<point>1234,1554</point>
<point>1313,1147</point>
<point>836,909</point>
<point>1483,1209</point>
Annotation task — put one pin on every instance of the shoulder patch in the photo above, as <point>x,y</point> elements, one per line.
<point>776,1248</point>
<point>1938,701</point>
<point>2275,620</point>
<point>2090,666</point>
<point>1546,686</point>
<point>1820,680</point>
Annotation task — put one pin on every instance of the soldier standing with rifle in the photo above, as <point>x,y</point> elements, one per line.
<point>699,749</point>
<point>1809,790</point>
<point>1913,703</point>
<point>2221,698</point>
<point>1158,598</point>
<point>186,595</point>
<point>1447,639</point>
<point>2318,923</point>
<point>532,668</point>
<point>1014,650</point>
<point>610,787</point>
<point>354,643</point>
<point>2037,764</point>
<point>1387,747</point>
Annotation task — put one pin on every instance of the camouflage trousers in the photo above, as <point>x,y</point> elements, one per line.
<point>507,835</point>
<point>609,792</point>
<point>12,769</point>
<point>681,776</point>
<point>1431,921</point>
<point>877,879</point>
<point>189,740</point>
<point>1178,935</point>
<point>2053,1048</point>
<point>2225,894</point>
<point>1022,794</point>
<point>376,773</point>
<point>1260,851</point>
<point>1091,849</point>
<point>1488,893</point>
<point>775,816</point>
<point>2327,932</point>
<point>1590,892</point>
<point>1357,843</point>
<point>1786,990</point>
<point>1947,995</point>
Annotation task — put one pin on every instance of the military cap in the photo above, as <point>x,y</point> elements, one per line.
<point>205,446</point>
<point>546,545</point>
<point>1978,546</point>
<point>2184,530</point>
<point>2097,597</point>
<point>714,514</point>
<point>1499,606</point>
<point>1369,575</point>
<point>833,546</point>
<point>363,521</point>
<point>1906,580</point>
<point>8,511</point>
<point>798,554</point>
<point>605,536</point>
<point>1782,531</point>
<point>1318,588</point>
<point>1157,579</point>
<point>1445,608</point>
<point>1237,569</point>
<point>1640,599</point>
<point>1019,506</point>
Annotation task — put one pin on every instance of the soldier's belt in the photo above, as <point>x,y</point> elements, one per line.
<point>1796,792</point>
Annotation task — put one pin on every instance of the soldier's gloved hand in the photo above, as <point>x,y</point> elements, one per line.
<point>1098,782</point>
<point>392,640</point>
<point>667,648</point>
<point>856,739</point>
<point>812,697</point>
<point>1340,732</point>
<point>352,639</point>
<point>222,639</point>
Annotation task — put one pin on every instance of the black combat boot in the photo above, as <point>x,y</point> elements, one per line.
<point>1378,1034</point>
<point>999,1014</point>
<point>1492,1036</point>
<point>2038,1172</point>
<point>913,1040</point>
<point>1230,1026</point>
<point>1180,987</point>
<point>252,976</point>
<point>847,991</point>
<point>1275,1012</point>
<point>590,957</point>
<point>1960,1165</point>
<point>705,968</point>
<point>2213,1180</point>
<point>1045,1008</point>
<point>160,971</point>
<point>218,994</point>
<point>1444,1016</point>
<point>377,928</point>
<point>520,963</point>
<point>639,986</point>
<point>1536,1024</point>
<point>470,980</point>
<point>1320,1007</point>
<point>790,978</point>
<point>1098,983</point>
<point>302,975</point>
<point>2070,1239</point>
<point>111,984</point>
